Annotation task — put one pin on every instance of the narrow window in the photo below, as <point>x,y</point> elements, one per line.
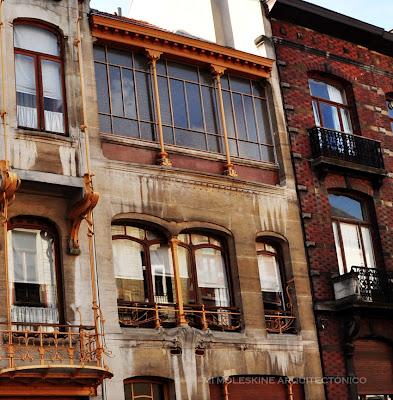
<point>352,233</point>
<point>145,389</point>
<point>330,107</point>
<point>33,273</point>
<point>39,79</point>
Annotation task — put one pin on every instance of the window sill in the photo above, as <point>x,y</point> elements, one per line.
<point>22,133</point>
<point>111,138</point>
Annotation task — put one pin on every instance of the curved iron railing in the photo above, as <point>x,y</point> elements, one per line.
<point>346,147</point>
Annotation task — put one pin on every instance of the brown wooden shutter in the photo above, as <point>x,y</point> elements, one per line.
<point>373,360</point>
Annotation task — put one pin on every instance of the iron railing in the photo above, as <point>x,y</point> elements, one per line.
<point>345,147</point>
<point>154,315</point>
<point>53,345</point>
<point>374,285</point>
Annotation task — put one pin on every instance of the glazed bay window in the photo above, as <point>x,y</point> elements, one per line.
<point>152,291</point>
<point>39,78</point>
<point>189,108</point>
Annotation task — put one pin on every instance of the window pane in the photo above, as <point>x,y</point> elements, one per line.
<point>129,264</point>
<point>125,127</point>
<point>345,207</point>
<point>325,91</point>
<point>346,120</point>
<point>389,106</point>
<point>262,114</point>
<point>140,62</point>
<point>269,273</point>
<point>368,247</point>
<point>214,144</point>
<point>190,139</point>
<point>147,131</point>
<point>250,118</point>
<point>26,91</point>
<point>178,104</point>
<point>267,153</point>
<point>316,113</point>
<point>119,58</point>
<point>338,248</point>
<point>228,114</point>
<point>239,114</point>
<point>102,88</point>
<point>188,290</point>
<point>142,389</point>
<point>105,123</point>
<point>240,85</point>
<point>210,109</point>
<point>164,101</point>
<point>258,89</point>
<point>249,150</point>
<point>212,280</point>
<point>182,71</point>
<point>352,245</point>
<point>99,53</point>
<point>194,106</point>
<point>53,98</point>
<point>199,239</point>
<point>116,93</point>
<point>144,96</point>
<point>162,272</point>
<point>129,94</point>
<point>330,119</point>
<point>33,38</point>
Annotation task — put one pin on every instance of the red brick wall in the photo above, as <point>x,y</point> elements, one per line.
<point>370,75</point>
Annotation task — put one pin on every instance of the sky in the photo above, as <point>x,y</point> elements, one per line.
<point>376,12</point>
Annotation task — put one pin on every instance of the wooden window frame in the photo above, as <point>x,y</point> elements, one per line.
<point>338,106</point>
<point>160,382</point>
<point>38,57</point>
<point>37,223</point>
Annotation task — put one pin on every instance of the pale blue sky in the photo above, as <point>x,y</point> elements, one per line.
<point>376,12</point>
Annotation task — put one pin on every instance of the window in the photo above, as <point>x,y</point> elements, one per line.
<point>32,272</point>
<point>389,106</point>
<point>352,233</point>
<point>188,105</point>
<point>145,389</point>
<point>39,78</point>
<point>143,265</point>
<point>330,107</point>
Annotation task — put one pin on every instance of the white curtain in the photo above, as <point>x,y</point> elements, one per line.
<point>43,315</point>
<point>335,94</point>
<point>33,38</point>
<point>269,273</point>
<point>127,259</point>
<point>51,84</point>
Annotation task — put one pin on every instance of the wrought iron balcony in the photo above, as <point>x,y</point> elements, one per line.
<point>346,150</point>
<point>365,285</point>
<point>154,315</point>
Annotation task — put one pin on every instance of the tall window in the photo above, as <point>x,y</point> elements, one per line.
<point>39,78</point>
<point>143,265</point>
<point>188,104</point>
<point>330,106</point>
<point>145,389</point>
<point>352,233</point>
<point>33,273</point>
<point>389,106</point>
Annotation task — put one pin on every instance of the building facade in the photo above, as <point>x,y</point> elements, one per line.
<point>337,82</point>
<point>190,279</point>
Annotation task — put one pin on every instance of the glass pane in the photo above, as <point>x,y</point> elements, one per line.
<point>239,114</point>
<point>105,123</point>
<point>214,144</point>
<point>162,273</point>
<point>187,286</point>
<point>158,392</point>
<point>25,256</point>
<point>194,106</point>
<point>135,232</point>
<point>194,140</point>
<point>240,85</point>
<point>316,113</point>
<point>261,111</point>
<point>224,82</point>
<point>389,106</point>
<point>168,135</point>
<point>233,147</point>
<point>258,89</point>
<point>129,264</point>
<point>325,91</point>
<point>53,97</point>
<point>125,127</point>
<point>228,114</point>
<point>210,109</point>
<point>99,53</point>
<point>346,120</point>
<point>142,389</point>
<point>182,71</point>
<point>269,273</point>
<point>33,38</point>
<point>144,96</point>
<point>206,78</point>
<point>352,245</point>
<point>119,58</point>
<point>250,118</point>
<point>26,91</point>
<point>368,247</point>
<point>116,92</point>
<point>199,239</point>
<point>267,153</point>
<point>212,280</point>
<point>140,62</point>
<point>178,104</point>
<point>161,67</point>
<point>102,88</point>
<point>118,230</point>
<point>129,94</point>
<point>345,207</point>
<point>330,119</point>
<point>338,248</point>
<point>164,101</point>
<point>249,150</point>
<point>147,131</point>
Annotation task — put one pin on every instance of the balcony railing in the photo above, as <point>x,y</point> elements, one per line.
<point>365,284</point>
<point>154,315</point>
<point>345,147</point>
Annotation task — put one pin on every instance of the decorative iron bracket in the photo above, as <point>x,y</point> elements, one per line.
<point>80,211</point>
<point>9,184</point>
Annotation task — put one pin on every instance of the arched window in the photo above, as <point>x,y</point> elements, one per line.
<point>147,389</point>
<point>330,106</point>
<point>143,265</point>
<point>203,270</point>
<point>389,106</point>
<point>39,78</point>
<point>33,271</point>
<point>352,233</point>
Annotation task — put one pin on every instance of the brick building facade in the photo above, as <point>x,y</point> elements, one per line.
<point>337,82</point>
